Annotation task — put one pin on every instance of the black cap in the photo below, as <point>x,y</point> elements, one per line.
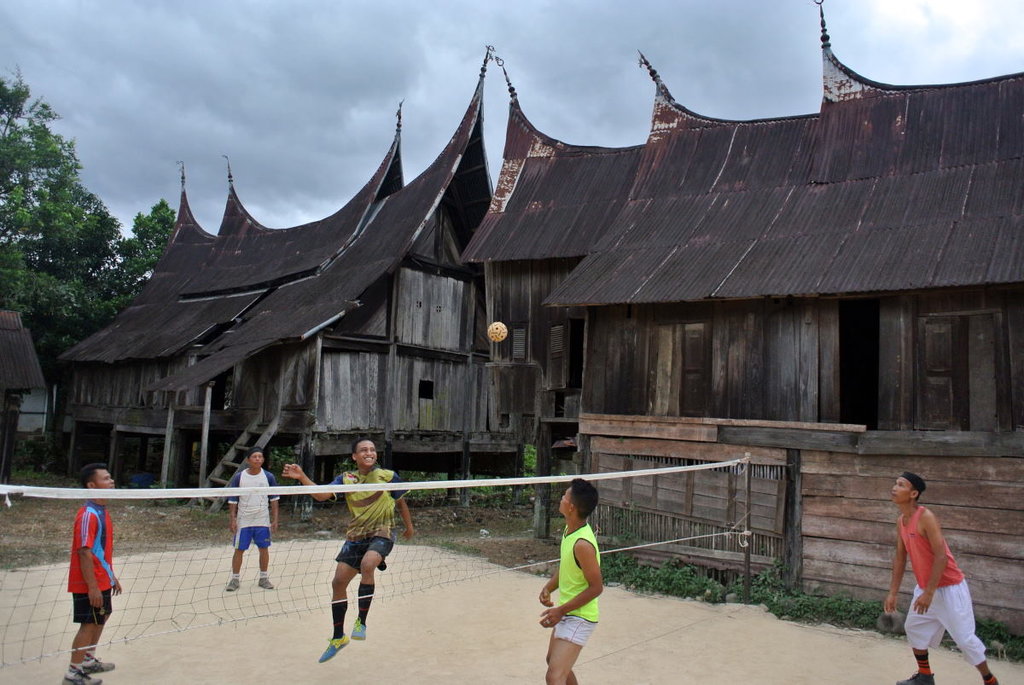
<point>915,480</point>
<point>255,450</point>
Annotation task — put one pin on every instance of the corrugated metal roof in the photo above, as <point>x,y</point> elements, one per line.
<point>19,365</point>
<point>250,287</point>
<point>887,188</point>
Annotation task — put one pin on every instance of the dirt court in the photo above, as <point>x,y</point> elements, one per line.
<point>478,624</point>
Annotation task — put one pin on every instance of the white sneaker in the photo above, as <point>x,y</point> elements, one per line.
<point>232,585</point>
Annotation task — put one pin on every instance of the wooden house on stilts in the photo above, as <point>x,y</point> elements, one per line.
<point>365,322</point>
<point>839,295</point>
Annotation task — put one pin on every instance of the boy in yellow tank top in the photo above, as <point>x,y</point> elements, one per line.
<point>578,580</point>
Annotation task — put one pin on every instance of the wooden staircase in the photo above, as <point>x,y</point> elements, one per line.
<point>234,459</point>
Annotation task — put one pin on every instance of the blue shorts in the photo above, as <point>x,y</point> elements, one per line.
<point>352,551</point>
<point>258,534</point>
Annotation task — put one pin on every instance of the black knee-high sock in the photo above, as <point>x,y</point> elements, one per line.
<point>365,597</point>
<point>338,610</point>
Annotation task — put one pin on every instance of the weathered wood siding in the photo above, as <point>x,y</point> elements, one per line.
<point>120,385</point>
<point>522,365</point>
<point>764,359</point>
<point>432,311</point>
<point>352,391</point>
<point>849,529</point>
<point>447,408</point>
<point>946,361</point>
<point>694,509</point>
<point>952,360</point>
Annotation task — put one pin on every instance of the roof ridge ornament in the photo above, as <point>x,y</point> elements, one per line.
<point>231,179</point>
<point>181,167</point>
<point>825,40</point>
<point>501,63</point>
<point>398,117</point>
<point>645,64</point>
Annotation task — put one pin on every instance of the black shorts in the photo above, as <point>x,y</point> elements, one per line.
<point>352,551</point>
<point>87,613</point>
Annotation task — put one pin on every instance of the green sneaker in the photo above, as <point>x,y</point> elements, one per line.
<point>359,630</point>
<point>333,647</point>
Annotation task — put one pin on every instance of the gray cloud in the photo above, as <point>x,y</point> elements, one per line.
<point>302,95</point>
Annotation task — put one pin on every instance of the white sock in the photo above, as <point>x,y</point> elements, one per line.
<point>236,576</point>
<point>264,574</point>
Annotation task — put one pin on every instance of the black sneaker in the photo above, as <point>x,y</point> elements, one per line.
<point>382,566</point>
<point>918,679</point>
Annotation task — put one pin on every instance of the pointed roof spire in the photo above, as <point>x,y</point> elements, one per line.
<point>825,42</point>
<point>513,96</point>
<point>231,179</point>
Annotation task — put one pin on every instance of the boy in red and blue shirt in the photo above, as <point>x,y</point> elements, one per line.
<point>91,580</point>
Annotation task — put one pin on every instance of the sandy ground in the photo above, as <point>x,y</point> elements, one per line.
<point>475,625</point>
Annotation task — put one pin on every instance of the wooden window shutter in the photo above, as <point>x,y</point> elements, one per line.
<point>556,356</point>
<point>518,343</point>
<point>696,369</point>
<point>942,402</point>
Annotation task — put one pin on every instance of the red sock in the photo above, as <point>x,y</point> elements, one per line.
<point>922,663</point>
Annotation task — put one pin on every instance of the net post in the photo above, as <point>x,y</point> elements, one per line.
<point>746,547</point>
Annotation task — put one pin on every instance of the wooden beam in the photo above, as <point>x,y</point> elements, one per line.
<point>646,427</point>
<point>168,439</point>
<point>204,440</point>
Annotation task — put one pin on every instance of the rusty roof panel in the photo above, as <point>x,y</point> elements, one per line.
<point>19,364</point>
<point>892,188</point>
<point>886,259</point>
<point>561,206</point>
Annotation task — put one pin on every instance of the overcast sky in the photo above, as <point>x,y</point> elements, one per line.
<point>301,95</point>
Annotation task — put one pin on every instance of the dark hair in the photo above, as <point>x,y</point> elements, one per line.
<point>916,482</point>
<point>584,496</point>
<point>88,471</point>
<point>362,438</point>
<point>259,450</point>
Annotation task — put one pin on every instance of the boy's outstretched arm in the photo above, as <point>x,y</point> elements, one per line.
<point>295,471</point>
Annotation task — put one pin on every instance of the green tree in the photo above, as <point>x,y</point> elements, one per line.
<point>64,263</point>
<point>141,252</point>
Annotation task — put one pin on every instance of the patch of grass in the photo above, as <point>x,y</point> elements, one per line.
<point>27,476</point>
<point>671,578</point>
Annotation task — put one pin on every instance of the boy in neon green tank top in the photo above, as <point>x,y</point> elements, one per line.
<point>578,580</point>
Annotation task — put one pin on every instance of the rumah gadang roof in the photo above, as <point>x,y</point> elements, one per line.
<point>19,365</point>
<point>249,287</point>
<point>887,188</point>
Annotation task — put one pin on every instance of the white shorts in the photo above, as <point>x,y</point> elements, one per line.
<point>950,610</point>
<point>575,630</point>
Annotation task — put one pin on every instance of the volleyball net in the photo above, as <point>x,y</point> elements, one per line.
<point>178,586</point>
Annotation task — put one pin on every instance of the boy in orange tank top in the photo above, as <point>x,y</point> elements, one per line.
<point>942,601</point>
